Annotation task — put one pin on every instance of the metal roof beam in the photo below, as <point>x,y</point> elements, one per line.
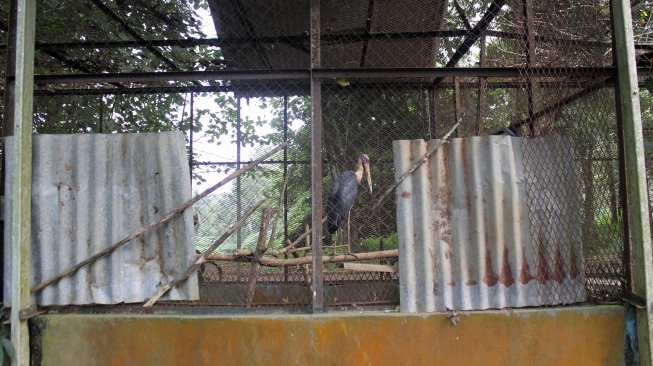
<point>298,41</point>
<point>127,28</point>
<point>473,36</point>
<point>300,74</point>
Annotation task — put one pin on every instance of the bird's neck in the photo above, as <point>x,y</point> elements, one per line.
<point>359,171</point>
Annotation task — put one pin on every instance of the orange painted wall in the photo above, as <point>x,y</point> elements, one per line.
<point>553,336</point>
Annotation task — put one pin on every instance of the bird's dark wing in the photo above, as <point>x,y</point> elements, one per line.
<point>341,198</point>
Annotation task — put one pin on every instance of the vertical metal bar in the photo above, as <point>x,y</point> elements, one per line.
<point>8,117</point>
<point>239,202</point>
<point>457,107</point>
<point>627,258</point>
<point>191,124</point>
<point>638,204</point>
<point>433,127</point>
<point>285,167</point>
<point>21,238</point>
<point>101,113</point>
<point>481,90</point>
<point>285,174</point>
<point>316,160</point>
<point>529,40</point>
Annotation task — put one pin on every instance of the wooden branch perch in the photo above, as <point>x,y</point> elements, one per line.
<point>279,262</point>
<point>202,258</point>
<point>156,223</point>
<point>416,165</point>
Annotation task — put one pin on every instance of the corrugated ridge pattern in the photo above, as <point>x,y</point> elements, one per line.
<point>90,191</point>
<point>464,231</point>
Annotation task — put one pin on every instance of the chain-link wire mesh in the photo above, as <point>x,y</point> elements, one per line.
<point>539,69</point>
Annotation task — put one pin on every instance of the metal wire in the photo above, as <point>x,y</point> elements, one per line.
<point>541,67</point>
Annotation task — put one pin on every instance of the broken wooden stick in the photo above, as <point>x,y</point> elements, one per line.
<point>416,165</point>
<point>280,262</point>
<point>260,249</point>
<point>306,270</point>
<point>203,256</point>
<point>279,209</point>
<point>247,252</point>
<point>158,222</point>
<point>370,267</point>
<point>297,241</point>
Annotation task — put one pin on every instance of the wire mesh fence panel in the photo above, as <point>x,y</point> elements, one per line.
<point>235,77</point>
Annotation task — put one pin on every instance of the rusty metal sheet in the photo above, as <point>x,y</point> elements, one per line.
<point>479,227</point>
<point>90,191</point>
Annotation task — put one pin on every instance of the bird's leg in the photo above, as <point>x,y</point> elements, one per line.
<point>349,236</point>
<point>348,233</point>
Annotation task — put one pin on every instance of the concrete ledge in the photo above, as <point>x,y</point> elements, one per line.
<point>556,336</point>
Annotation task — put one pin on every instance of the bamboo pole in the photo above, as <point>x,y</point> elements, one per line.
<point>156,223</point>
<point>203,256</point>
<point>416,165</point>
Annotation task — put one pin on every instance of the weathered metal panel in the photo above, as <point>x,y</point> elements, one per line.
<point>90,191</point>
<point>471,224</point>
<point>568,336</point>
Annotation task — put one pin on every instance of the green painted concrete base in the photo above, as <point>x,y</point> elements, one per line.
<point>556,336</point>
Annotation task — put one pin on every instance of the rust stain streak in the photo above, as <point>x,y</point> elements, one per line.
<point>490,278</point>
<point>542,265</point>
<point>574,272</point>
<point>559,271</point>
<point>525,272</point>
<point>471,281</point>
<point>505,277</point>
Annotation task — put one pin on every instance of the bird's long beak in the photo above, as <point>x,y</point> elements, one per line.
<point>366,167</point>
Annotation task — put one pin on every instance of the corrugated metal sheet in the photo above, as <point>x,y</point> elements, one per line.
<point>91,190</point>
<point>466,220</point>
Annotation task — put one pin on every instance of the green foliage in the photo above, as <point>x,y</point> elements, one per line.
<point>373,242</point>
<point>6,348</point>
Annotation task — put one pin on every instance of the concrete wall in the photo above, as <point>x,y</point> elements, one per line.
<point>557,336</point>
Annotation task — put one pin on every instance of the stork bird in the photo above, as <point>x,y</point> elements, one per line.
<point>343,194</point>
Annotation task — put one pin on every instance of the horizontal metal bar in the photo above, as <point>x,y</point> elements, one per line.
<point>299,74</point>
<point>297,88</point>
<point>244,90</point>
<point>465,72</point>
<point>184,43</point>
<point>303,39</point>
<point>138,77</point>
<point>199,163</point>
